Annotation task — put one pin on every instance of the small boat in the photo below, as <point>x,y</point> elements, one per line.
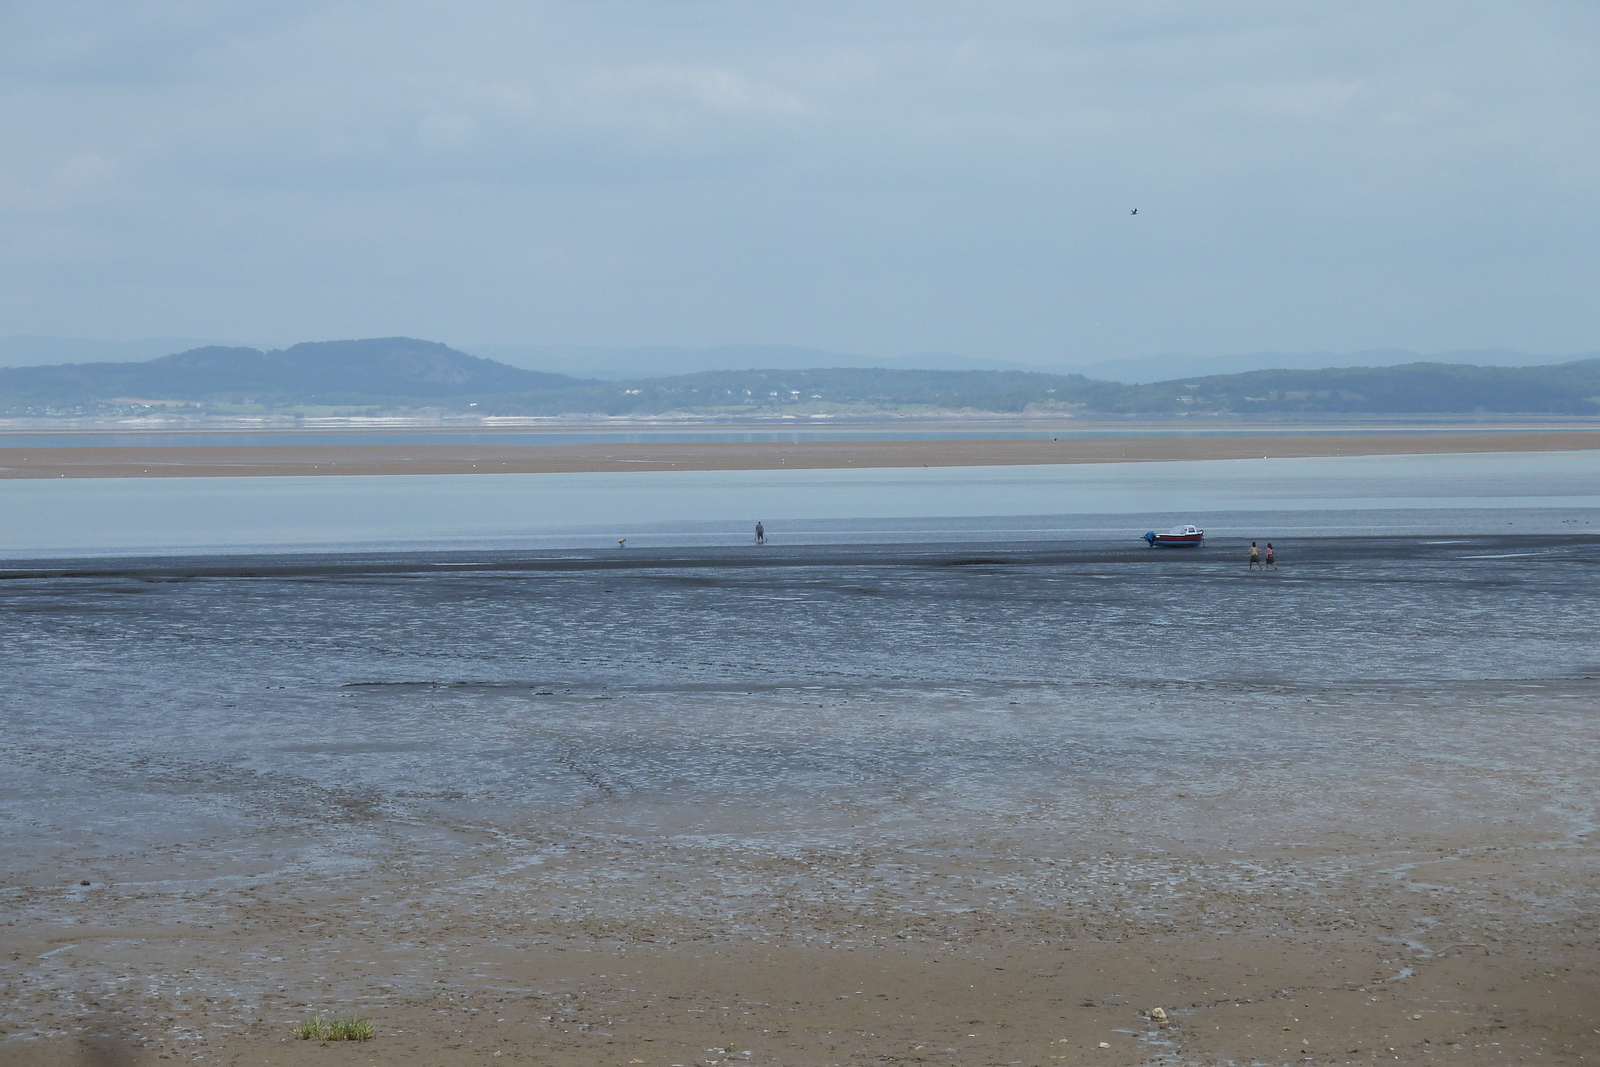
<point>1177,537</point>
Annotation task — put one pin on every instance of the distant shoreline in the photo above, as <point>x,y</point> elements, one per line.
<point>970,422</point>
<point>323,459</point>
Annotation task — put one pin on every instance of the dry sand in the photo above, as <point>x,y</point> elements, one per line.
<point>326,459</point>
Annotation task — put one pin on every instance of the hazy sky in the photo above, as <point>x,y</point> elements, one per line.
<point>873,177</point>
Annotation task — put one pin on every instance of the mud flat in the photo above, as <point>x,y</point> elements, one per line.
<point>1362,941</point>
<point>855,812</point>
<point>180,461</point>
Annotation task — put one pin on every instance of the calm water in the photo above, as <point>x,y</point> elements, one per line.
<point>801,701</point>
<point>1364,496</point>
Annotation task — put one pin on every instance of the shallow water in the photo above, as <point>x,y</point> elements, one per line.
<point>793,698</point>
<point>1366,496</point>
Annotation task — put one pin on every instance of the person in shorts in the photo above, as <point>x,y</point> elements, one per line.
<point>1272,559</point>
<point>1255,557</point>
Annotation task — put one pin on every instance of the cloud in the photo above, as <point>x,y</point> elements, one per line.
<point>887,177</point>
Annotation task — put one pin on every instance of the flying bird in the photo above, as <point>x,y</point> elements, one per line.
<point>1135,211</point>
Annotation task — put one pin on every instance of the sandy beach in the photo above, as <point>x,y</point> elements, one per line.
<point>334,459</point>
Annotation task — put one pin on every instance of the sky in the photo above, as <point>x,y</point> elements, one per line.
<point>884,178</point>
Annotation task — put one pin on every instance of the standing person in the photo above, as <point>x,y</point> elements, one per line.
<point>1255,557</point>
<point>761,534</point>
<point>1272,559</point>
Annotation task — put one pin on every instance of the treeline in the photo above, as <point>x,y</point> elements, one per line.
<point>1409,389</point>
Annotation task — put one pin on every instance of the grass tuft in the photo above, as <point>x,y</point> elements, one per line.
<point>350,1028</point>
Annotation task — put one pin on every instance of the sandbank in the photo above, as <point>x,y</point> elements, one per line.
<point>320,459</point>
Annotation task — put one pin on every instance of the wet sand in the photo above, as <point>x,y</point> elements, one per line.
<point>333,459</point>
<point>578,818</point>
<point>1375,941</point>
<point>1289,999</point>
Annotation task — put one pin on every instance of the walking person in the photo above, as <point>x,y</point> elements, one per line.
<point>1272,559</point>
<point>1255,557</point>
<point>761,534</point>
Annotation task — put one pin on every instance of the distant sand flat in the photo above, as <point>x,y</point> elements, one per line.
<point>333,459</point>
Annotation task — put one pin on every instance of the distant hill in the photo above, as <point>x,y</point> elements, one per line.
<point>1414,389</point>
<point>398,374</point>
<point>324,373</point>
<point>664,361</point>
<point>1409,389</point>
